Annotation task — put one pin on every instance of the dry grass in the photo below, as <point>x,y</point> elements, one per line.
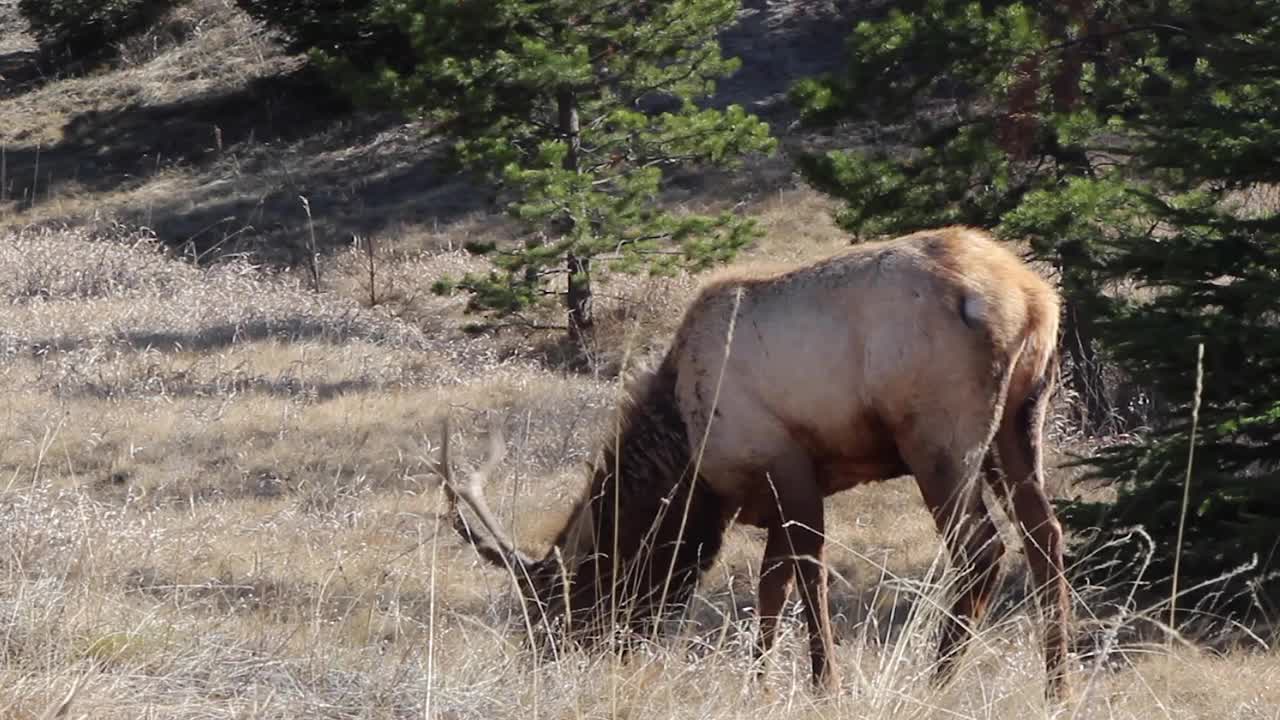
<point>213,499</point>
<point>214,504</point>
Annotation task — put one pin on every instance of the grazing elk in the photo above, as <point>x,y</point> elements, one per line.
<point>931,355</point>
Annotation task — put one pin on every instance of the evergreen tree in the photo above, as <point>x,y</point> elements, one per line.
<point>970,112</point>
<point>1118,139</point>
<point>577,109</point>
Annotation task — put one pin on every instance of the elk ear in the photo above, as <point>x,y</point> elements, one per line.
<point>592,463</point>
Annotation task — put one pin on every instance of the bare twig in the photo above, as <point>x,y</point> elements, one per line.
<point>35,177</point>
<point>312,251</point>
<point>370,254</point>
<point>63,709</point>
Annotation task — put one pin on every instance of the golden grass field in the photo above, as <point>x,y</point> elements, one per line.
<point>215,503</point>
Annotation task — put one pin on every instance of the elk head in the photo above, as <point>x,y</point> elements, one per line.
<point>545,584</point>
<point>626,557</point>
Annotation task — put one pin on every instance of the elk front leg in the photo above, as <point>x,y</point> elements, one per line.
<point>776,573</point>
<point>797,539</point>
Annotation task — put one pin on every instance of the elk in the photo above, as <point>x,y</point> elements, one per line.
<point>931,355</point>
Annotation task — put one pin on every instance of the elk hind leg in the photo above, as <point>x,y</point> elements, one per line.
<point>1018,441</point>
<point>948,483</point>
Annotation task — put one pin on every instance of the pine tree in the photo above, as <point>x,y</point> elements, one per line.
<point>577,110</point>
<point>1118,139</point>
<point>970,114</point>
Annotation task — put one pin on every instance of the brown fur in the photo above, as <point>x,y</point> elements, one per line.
<point>644,476</point>
<point>932,354</point>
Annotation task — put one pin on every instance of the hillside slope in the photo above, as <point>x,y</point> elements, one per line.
<point>209,136</point>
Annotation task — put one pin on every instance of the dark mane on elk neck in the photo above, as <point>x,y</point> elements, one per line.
<point>643,514</point>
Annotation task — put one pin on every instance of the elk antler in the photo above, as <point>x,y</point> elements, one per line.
<point>497,548</point>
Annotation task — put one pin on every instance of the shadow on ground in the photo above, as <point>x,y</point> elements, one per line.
<point>244,157</point>
<point>216,337</point>
<point>104,149</point>
<point>19,73</point>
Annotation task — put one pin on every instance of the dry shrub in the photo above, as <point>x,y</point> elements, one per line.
<point>194,30</point>
<point>68,265</point>
<point>128,293</point>
<point>202,45</point>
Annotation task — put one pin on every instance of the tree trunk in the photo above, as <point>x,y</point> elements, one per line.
<point>567,105</point>
<point>578,299</point>
<point>1092,409</point>
<point>1085,378</point>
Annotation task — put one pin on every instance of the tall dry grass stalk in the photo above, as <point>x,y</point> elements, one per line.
<point>1186,485</point>
<point>313,253</point>
<point>370,253</point>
